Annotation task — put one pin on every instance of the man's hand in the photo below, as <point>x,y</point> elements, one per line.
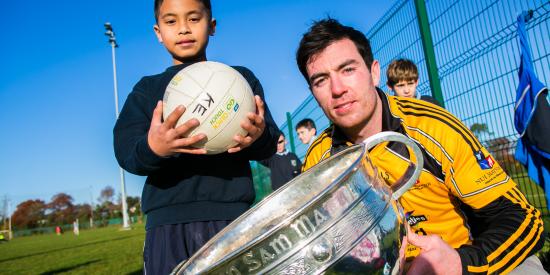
<point>254,125</point>
<point>166,140</point>
<point>436,256</point>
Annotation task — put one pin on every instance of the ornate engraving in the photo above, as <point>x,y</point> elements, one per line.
<point>299,267</point>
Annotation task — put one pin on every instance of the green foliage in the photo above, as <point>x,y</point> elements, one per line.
<point>478,128</point>
<point>97,251</point>
<point>262,181</point>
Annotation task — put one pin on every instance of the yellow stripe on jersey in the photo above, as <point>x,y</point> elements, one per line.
<point>478,269</point>
<point>319,150</point>
<point>525,251</point>
<point>417,108</point>
<point>508,243</point>
<point>517,247</point>
<point>443,136</point>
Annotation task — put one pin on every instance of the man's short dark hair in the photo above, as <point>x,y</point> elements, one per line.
<point>323,33</point>
<point>306,123</point>
<point>206,4</point>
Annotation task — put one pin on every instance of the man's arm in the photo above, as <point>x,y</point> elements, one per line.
<point>505,232</point>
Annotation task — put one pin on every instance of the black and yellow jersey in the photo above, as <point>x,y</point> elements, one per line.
<point>462,194</point>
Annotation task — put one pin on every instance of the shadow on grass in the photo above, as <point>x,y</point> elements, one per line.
<point>66,248</point>
<point>65,269</point>
<point>137,272</point>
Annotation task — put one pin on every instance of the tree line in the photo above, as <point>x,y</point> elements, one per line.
<point>61,209</point>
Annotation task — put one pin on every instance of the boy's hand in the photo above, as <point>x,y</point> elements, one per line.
<point>165,140</point>
<point>254,125</point>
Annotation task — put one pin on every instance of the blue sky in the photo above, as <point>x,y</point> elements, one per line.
<point>56,83</point>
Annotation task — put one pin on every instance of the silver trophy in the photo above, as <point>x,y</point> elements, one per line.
<point>339,217</point>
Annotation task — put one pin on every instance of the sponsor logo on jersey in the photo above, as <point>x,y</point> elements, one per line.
<point>414,220</point>
<point>491,176</point>
<point>484,162</point>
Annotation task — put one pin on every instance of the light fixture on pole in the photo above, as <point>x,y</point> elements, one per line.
<point>112,40</point>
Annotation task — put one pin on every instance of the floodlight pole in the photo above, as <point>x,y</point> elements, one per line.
<point>112,40</point>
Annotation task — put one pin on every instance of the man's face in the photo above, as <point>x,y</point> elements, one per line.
<point>281,144</point>
<point>343,85</point>
<point>183,27</point>
<point>305,135</point>
<point>405,88</point>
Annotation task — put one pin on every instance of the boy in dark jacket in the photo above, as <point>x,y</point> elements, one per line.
<point>188,196</point>
<point>284,165</point>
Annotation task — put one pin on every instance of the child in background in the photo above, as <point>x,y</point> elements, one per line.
<point>284,165</point>
<point>306,131</point>
<point>188,196</point>
<point>402,77</point>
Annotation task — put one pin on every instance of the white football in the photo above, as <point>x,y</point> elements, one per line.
<point>218,96</point>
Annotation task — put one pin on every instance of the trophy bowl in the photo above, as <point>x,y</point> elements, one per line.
<point>339,217</point>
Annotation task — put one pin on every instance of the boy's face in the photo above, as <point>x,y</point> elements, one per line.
<point>183,27</point>
<point>281,144</point>
<point>305,134</point>
<point>406,88</point>
<point>344,86</point>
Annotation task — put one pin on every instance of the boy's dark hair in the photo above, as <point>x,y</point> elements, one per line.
<point>206,4</point>
<point>323,33</point>
<point>401,70</point>
<point>306,123</point>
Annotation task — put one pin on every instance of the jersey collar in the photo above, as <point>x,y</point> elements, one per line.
<point>389,123</point>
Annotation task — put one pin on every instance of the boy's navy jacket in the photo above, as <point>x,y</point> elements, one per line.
<point>187,188</point>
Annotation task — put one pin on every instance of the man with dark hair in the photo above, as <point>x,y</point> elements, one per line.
<point>464,214</point>
<point>306,131</point>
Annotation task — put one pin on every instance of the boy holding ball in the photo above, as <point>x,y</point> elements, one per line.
<point>188,196</point>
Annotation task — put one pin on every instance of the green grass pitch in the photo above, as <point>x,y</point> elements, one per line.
<point>106,250</point>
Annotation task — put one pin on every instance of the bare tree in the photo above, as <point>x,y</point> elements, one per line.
<point>106,195</point>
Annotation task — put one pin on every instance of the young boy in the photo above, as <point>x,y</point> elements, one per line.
<point>402,77</point>
<point>306,131</point>
<point>188,196</point>
<point>284,165</point>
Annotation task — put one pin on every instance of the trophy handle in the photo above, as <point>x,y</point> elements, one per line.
<point>407,180</point>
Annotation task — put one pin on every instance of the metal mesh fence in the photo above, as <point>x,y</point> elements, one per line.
<point>477,55</point>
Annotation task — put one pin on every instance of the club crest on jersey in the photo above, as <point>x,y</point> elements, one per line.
<point>414,220</point>
<point>484,162</point>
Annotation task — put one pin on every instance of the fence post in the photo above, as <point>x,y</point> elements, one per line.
<point>290,132</point>
<point>428,46</point>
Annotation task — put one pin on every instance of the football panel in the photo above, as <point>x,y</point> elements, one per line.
<point>238,103</point>
<point>200,72</point>
<point>172,99</point>
<point>206,103</point>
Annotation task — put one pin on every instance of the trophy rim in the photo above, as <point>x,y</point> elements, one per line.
<point>298,210</point>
